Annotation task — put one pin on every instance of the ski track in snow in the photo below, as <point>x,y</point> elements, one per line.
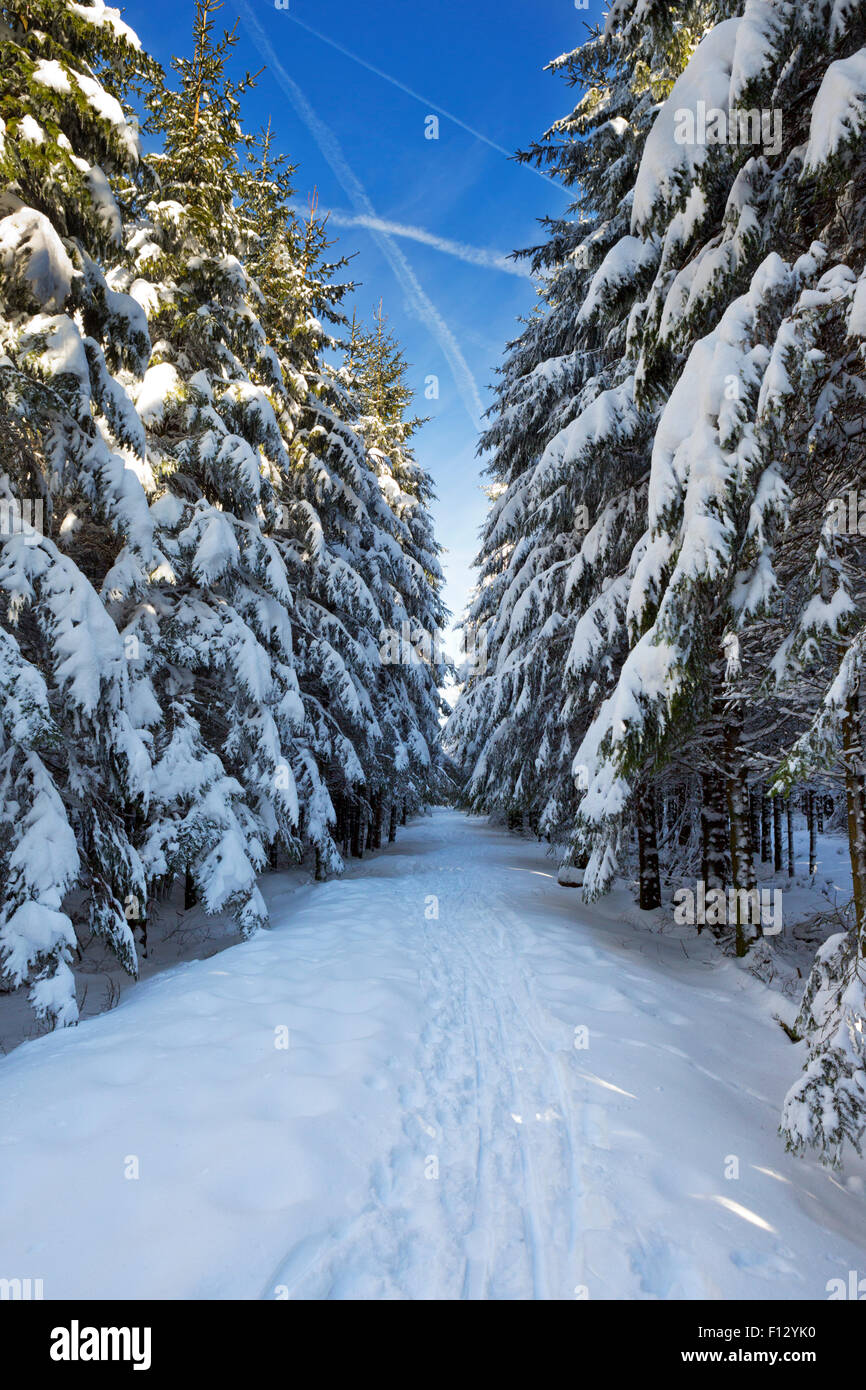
<point>306,1172</point>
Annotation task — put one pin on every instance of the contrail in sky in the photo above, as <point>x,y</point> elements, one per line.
<point>417,96</point>
<point>472,255</point>
<point>357,194</point>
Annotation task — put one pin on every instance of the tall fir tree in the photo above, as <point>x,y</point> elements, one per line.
<point>76,533</point>
<point>413,648</point>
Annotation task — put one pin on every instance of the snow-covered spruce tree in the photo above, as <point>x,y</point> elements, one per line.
<point>280,255</point>
<point>746,231</point>
<point>75,534</point>
<point>169,705</point>
<point>322,512</point>
<point>413,663</point>
<point>348,551</point>
<point>752,336</point>
<point>570,454</point>
<point>215,633</point>
<point>335,669</point>
<point>713,328</point>
<point>814,404</point>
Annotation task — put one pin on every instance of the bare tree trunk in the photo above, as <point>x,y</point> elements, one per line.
<point>189,897</point>
<point>756,797</point>
<point>765,826</point>
<point>742,865</point>
<point>813,832</point>
<point>852,744</point>
<point>714,831</point>
<point>392,828</point>
<point>358,833</point>
<point>777,834</point>
<point>650,892</point>
<point>341,834</point>
<point>789,817</point>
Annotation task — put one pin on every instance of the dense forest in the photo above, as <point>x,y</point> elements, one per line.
<point>217,552</point>
<point>221,596</point>
<point>671,591</point>
<point>376,925</point>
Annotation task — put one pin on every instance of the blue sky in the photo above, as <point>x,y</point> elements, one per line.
<point>360,140</point>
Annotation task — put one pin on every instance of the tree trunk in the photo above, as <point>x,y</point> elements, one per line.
<point>189,898</point>
<point>765,827</point>
<point>742,865</point>
<point>852,744</point>
<point>392,828</point>
<point>789,817</point>
<point>813,832</point>
<point>650,893</point>
<point>756,798</point>
<point>358,833</point>
<point>405,815</point>
<point>777,834</point>
<point>341,827</point>
<point>714,831</point>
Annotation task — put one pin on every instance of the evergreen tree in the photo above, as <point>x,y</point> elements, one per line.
<point>570,458</point>
<point>200,550</point>
<point>76,534</point>
<point>720,396</point>
<point>216,631</point>
<point>352,551</point>
<point>414,666</point>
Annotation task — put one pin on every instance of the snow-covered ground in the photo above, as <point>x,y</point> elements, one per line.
<point>431,1129</point>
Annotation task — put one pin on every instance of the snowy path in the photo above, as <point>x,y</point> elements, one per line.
<point>431,1130</point>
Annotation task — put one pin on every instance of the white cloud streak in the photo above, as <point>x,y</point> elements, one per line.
<point>425,101</point>
<point>416,297</point>
<point>460,250</point>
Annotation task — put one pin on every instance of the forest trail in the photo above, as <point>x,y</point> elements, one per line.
<point>388,1096</point>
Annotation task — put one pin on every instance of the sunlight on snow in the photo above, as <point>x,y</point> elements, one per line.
<point>608,1085</point>
<point>537,872</point>
<point>770,1173</point>
<point>743,1212</point>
